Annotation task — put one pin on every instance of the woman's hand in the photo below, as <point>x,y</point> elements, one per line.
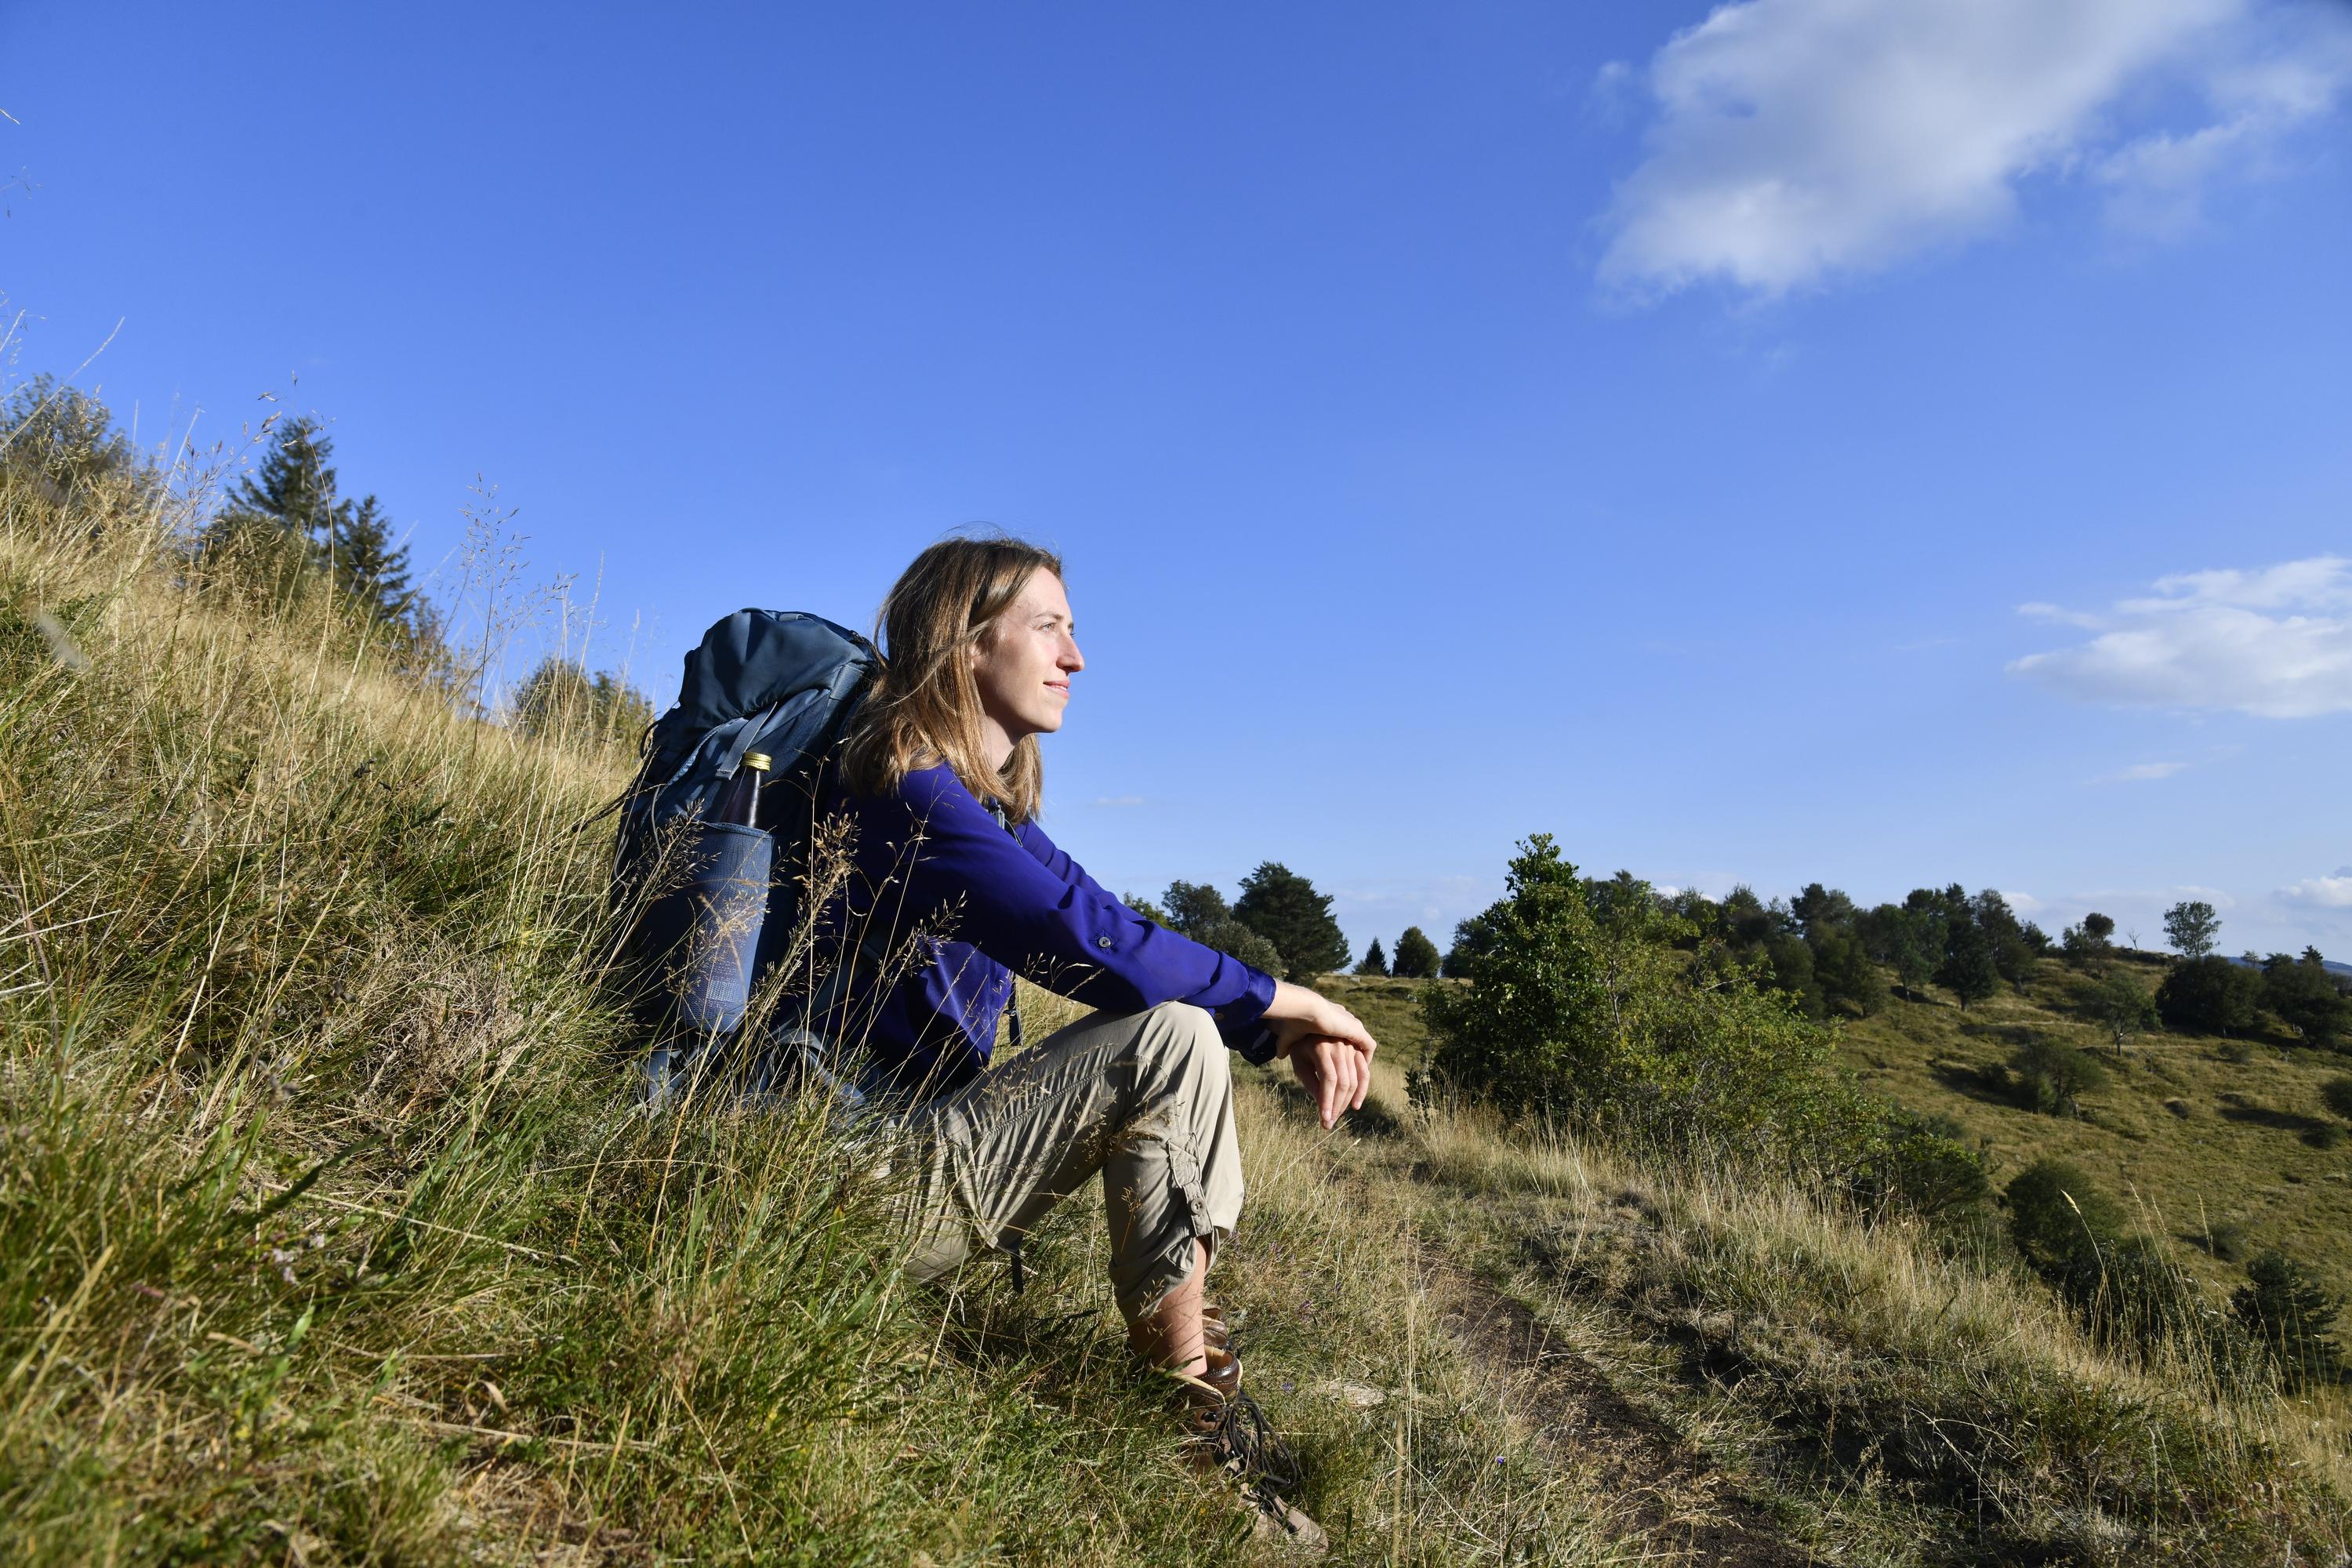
<point>1328,1047</point>
<point>1334,1072</point>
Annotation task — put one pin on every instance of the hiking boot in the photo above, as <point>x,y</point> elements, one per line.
<point>1215,1331</point>
<point>1230,1437</point>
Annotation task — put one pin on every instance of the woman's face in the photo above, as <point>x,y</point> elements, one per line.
<point>1024,663</point>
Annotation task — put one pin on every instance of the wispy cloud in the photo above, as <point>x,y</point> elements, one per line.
<point>1795,140</point>
<point>2140,773</point>
<point>2275,642</point>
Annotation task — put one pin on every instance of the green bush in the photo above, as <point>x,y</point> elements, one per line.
<point>1924,1166</point>
<point>2307,998</point>
<point>2229,1242</point>
<point>2336,1095</point>
<point>2211,995</point>
<point>2059,1217</point>
<point>2051,1077</point>
<point>2128,1291</point>
<point>1571,1017</point>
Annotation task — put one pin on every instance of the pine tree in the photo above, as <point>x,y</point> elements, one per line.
<point>1374,961</point>
<point>294,487</point>
<point>1283,907</point>
<point>1415,957</point>
<point>363,561</point>
<point>2292,1318</point>
<point>271,538</point>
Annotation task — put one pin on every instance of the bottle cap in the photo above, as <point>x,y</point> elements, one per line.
<point>757,762</point>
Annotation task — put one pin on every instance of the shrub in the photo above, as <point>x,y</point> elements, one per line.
<point>2306,998</point>
<point>1924,1166</point>
<point>2059,1217</point>
<point>1567,1017</point>
<point>2051,1077</point>
<point>2291,1317</point>
<point>2229,1242</point>
<point>2211,995</point>
<point>2336,1095</point>
<point>2128,1290</point>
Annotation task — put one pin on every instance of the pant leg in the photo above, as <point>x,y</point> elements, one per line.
<point>1144,1098</point>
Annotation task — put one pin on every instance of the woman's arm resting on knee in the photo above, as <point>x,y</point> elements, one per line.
<point>1296,1013</point>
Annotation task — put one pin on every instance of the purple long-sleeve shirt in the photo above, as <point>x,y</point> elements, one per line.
<point>930,860</point>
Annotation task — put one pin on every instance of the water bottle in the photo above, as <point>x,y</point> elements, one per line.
<point>739,803</point>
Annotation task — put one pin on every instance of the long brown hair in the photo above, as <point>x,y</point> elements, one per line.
<point>925,705</point>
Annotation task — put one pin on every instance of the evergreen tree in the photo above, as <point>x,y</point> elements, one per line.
<point>280,520</point>
<point>2292,1318</point>
<point>1415,957</point>
<point>1374,961</point>
<point>366,565</point>
<point>1919,948</point>
<point>2190,926</point>
<point>1283,907</point>
<point>560,700</point>
<point>1819,909</point>
<point>1846,973</point>
<point>294,489</point>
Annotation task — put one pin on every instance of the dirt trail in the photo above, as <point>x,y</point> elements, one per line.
<point>1578,1415</point>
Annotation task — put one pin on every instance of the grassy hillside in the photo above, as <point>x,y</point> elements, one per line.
<point>329,1232</point>
<point>2201,1134</point>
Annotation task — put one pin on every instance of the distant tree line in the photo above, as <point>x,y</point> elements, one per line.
<point>1280,923</point>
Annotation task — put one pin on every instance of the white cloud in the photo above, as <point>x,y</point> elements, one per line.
<point>1796,139</point>
<point>2321,892</point>
<point>2139,772</point>
<point>2276,643</point>
<point>1111,801</point>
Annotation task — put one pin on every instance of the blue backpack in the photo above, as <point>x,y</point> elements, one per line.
<point>700,893</point>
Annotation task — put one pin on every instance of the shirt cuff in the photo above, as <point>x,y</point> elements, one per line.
<point>1242,1021</point>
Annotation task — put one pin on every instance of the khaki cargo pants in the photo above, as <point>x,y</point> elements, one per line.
<point>1147,1098</point>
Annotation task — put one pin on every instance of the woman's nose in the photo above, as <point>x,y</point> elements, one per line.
<point>1071,659</point>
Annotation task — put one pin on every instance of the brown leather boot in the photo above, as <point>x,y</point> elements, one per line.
<point>1228,1435</point>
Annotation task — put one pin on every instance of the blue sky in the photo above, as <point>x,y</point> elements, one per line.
<point>1882,443</point>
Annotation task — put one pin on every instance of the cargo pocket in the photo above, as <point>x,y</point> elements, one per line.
<point>1182,1217</point>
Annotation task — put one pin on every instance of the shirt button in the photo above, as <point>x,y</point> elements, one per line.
<point>1102,941</point>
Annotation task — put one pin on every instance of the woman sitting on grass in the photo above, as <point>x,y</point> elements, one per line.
<point>941,780</point>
